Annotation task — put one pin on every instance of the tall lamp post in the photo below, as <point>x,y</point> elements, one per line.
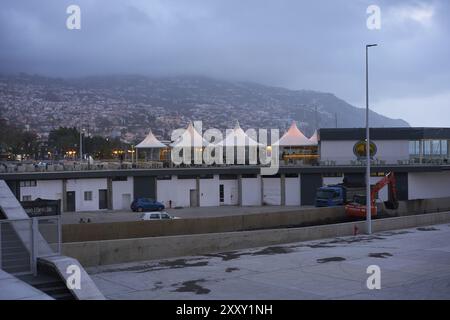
<point>81,144</point>
<point>368,200</point>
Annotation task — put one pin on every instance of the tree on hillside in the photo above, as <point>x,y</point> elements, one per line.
<point>63,139</point>
<point>17,141</point>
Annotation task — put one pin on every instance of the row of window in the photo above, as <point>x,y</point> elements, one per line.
<point>428,147</point>
<point>28,183</point>
<point>87,196</point>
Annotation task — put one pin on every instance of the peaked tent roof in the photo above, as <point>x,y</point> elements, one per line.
<point>189,138</point>
<point>314,138</point>
<point>150,141</point>
<point>294,137</point>
<point>238,138</point>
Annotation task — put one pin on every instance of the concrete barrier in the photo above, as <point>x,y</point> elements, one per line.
<point>144,229</point>
<point>94,253</point>
<point>418,206</point>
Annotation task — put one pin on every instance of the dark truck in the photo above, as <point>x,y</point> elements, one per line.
<point>339,194</point>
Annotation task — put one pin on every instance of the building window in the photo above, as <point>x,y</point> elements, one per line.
<point>221,193</point>
<point>28,183</point>
<point>332,174</point>
<point>414,147</point>
<point>26,198</point>
<point>444,147</point>
<point>88,196</point>
<point>435,147</point>
<point>430,148</point>
<point>119,179</point>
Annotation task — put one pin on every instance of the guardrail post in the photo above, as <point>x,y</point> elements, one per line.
<point>34,245</point>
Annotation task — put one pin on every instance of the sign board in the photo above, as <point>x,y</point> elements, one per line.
<point>359,149</point>
<point>42,207</point>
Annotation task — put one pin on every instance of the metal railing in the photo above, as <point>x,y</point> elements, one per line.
<point>24,167</point>
<point>23,241</point>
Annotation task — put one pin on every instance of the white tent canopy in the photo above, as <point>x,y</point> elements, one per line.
<point>238,138</point>
<point>190,138</point>
<point>294,138</point>
<point>314,138</point>
<point>150,141</point>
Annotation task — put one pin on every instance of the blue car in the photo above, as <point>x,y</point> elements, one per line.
<point>146,204</point>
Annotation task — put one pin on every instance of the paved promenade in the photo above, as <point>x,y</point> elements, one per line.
<point>414,264</point>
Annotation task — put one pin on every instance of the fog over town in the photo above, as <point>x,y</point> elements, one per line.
<point>293,44</point>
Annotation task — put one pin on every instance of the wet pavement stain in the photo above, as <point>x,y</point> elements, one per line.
<point>231,269</point>
<point>182,263</point>
<point>338,241</point>
<point>232,255</point>
<point>319,245</point>
<point>192,286</point>
<point>162,265</point>
<point>393,233</point>
<point>354,240</point>
<point>331,259</point>
<point>272,250</point>
<point>158,285</point>
<point>427,229</point>
<point>227,256</point>
<point>383,255</point>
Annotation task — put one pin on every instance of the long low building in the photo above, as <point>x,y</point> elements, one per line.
<point>418,156</point>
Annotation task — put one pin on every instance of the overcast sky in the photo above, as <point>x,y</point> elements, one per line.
<point>316,45</point>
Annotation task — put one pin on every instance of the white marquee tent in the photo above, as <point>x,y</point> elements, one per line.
<point>294,138</point>
<point>152,143</point>
<point>238,138</point>
<point>314,138</point>
<point>189,138</point>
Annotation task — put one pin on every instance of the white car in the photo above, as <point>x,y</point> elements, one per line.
<point>157,215</point>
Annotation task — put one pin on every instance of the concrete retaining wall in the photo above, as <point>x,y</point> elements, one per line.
<point>143,229</point>
<point>96,253</point>
<point>419,206</point>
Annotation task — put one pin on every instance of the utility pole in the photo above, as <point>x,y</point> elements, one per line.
<point>368,198</point>
<point>81,144</point>
<point>316,117</point>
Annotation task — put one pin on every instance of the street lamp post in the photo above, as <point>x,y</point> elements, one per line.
<point>81,145</point>
<point>368,200</point>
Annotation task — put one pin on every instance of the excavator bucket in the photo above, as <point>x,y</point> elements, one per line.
<point>392,205</point>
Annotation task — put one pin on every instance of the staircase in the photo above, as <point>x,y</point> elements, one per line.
<point>50,284</point>
<point>21,240</point>
<point>15,258</point>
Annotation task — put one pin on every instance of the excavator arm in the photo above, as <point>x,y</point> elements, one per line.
<point>389,179</point>
<point>356,209</point>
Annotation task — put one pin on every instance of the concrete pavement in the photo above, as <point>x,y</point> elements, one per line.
<point>414,263</point>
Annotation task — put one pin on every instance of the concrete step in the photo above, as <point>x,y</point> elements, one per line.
<point>49,284</point>
<point>17,269</point>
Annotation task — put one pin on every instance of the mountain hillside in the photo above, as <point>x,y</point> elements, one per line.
<point>127,106</point>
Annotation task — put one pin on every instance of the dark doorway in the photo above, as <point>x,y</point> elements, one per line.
<point>193,198</point>
<point>70,195</point>
<point>144,187</point>
<point>103,199</point>
<point>309,182</point>
<point>221,193</point>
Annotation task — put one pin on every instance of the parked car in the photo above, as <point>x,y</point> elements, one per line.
<point>146,204</point>
<point>157,216</point>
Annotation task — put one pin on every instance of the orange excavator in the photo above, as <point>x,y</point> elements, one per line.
<point>357,208</point>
